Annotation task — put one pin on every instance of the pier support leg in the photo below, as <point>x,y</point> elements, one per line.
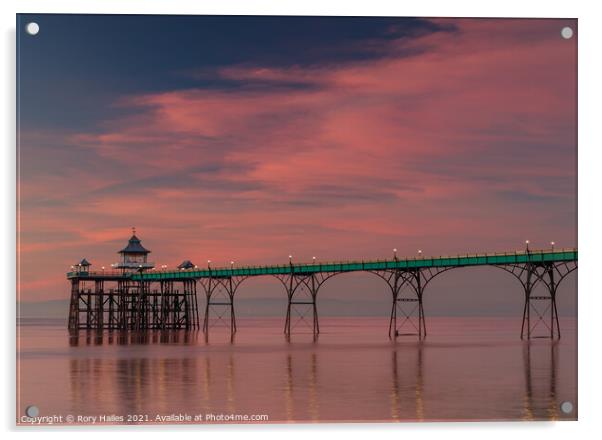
<point>540,310</point>
<point>406,309</point>
<point>89,310</point>
<point>528,287</point>
<point>111,316</point>
<point>543,307</point>
<point>208,293</point>
<point>133,305</point>
<point>99,304</point>
<point>419,294</point>
<point>407,289</point>
<point>154,322</point>
<point>74,305</point>
<point>191,312</point>
<point>164,304</point>
<point>302,292</point>
<point>554,311</point>
<point>173,308</point>
<point>139,308</point>
<point>124,305</point>
<point>219,295</point>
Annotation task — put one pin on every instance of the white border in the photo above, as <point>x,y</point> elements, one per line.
<point>590,118</point>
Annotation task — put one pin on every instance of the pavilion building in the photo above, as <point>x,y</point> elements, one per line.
<point>134,257</point>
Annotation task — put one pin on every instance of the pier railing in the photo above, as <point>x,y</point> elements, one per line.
<point>469,259</point>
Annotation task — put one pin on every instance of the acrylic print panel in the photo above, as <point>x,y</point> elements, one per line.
<point>251,219</point>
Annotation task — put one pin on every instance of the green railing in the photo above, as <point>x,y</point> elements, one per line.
<point>506,258</point>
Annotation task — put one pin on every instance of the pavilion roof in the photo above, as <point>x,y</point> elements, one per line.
<point>134,247</point>
<point>186,264</point>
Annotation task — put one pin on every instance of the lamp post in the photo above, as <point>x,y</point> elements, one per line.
<point>420,252</point>
<point>232,264</point>
<point>552,244</point>
<point>209,264</point>
<point>395,254</point>
<point>527,245</point>
<point>313,260</point>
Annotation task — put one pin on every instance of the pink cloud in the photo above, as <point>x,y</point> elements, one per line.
<point>403,149</point>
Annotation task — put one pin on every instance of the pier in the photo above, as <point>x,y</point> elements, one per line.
<point>134,295</point>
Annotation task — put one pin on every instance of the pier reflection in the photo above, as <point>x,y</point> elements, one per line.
<point>407,388</point>
<point>540,401</point>
<point>301,391</point>
<point>108,337</point>
<point>127,386</point>
<point>142,383</point>
<point>301,382</point>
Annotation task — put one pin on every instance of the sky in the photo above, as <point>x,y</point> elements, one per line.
<point>251,138</point>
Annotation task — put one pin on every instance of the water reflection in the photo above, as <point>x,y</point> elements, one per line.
<point>288,389</point>
<point>230,389</point>
<point>540,401</point>
<point>143,385</point>
<point>301,391</point>
<point>231,338</point>
<point>93,337</point>
<point>289,382</point>
<point>407,386</point>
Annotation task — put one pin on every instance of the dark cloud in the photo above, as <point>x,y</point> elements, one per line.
<point>87,61</point>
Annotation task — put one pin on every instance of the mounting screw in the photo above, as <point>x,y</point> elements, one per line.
<point>32,411</point>
<point>32,28</point>
<point>566,407</point>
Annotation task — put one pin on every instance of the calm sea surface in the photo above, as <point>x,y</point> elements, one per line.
<point>466,369</point>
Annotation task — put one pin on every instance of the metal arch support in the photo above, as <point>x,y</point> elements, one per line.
<point>530,274</point>
<point>227,286</point>
<point>568,266</point>
<point>432,272</point>
<point>417,279</point>
<point>302,290</point>
<point>421,278</point>
<point>396,280</point>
